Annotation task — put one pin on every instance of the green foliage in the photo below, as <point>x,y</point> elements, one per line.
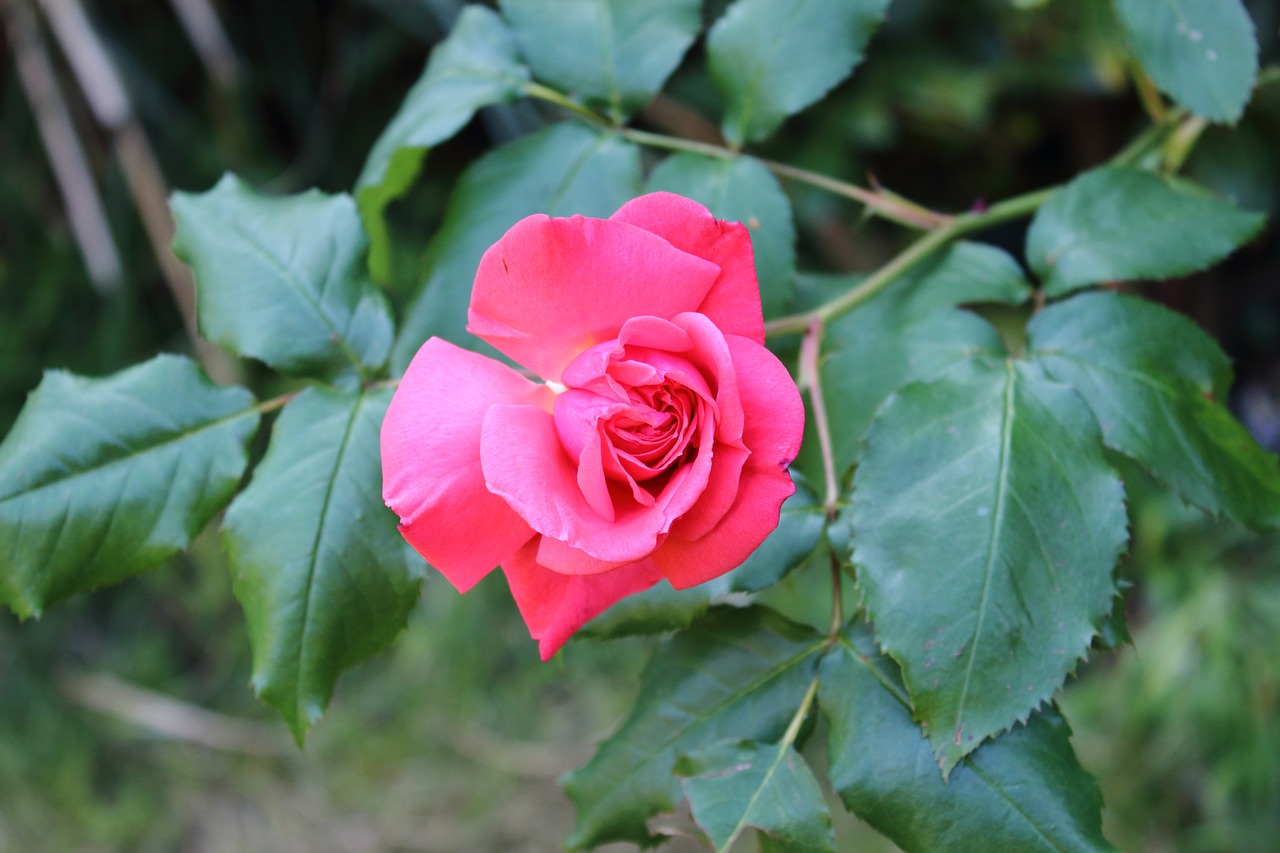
<point>318,567</point>
<point>1154,382</point>
<point>1023,792</point>
<point>1118,224</point>
<point>559,171</point>
<point>910,332</point>
<point>735,785</point>
<point>772,59</point>
<point>101,479</point>
<point>736,674</point>
<point>741,190</point>
<point>612,53</point>
<point>283,280</point>
<point>476,66</point>
<point>985,527</point>
<point>1203,53</point>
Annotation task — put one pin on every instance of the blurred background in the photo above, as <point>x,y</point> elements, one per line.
<point>126,719</point>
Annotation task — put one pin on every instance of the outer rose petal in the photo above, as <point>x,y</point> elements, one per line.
<point>555,605</point>
<point>551,288</point>
<point>431,474</point>
<point>525,464</point>
<point>752,517</point>
<point>734,300</point>
<point>773,417</point>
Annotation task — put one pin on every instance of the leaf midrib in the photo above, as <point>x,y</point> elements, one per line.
<point>286,274</point>
<point>314,559</point>
<point>997,523</point>
<point>766,677</point>
<point>130,456</point>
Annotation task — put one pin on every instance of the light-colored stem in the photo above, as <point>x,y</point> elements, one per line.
<point>913,255</point>
<point>886,205</point>
<point>81,200</point>
<point>811,378</point>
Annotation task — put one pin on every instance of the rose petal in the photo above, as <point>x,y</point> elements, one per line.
<point>555,605</point>
<point>552,288</point>
<point>525,464</point>
<point>772,412</point>
<point>773,418</point>
<point>567,560</point>
<point>752,517</point>
<point>733,303</point>
<point>431,470</point>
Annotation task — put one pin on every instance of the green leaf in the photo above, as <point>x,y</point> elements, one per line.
<point>737,674</point>
<point>736,785</point>
<point>986,523</point>
<point>661,608</point>
<point>1153,380</point>
<point>561,170</point>
<point>1021,793</point>
<point>1202,53</point>
<point>773,58</point>
<point>101,479</point>
<point>743,190</point>
<point>324,578</point>
<point>476,66</point>
<point>283,280</point>
<point>906,334</point>
<point>612,52</point>
<point>1118,224</point>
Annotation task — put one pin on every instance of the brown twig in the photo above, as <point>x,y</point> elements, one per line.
<point>110,103</point>
<point>79,192</point>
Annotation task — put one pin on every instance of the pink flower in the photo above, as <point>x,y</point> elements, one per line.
<point>657,446</point>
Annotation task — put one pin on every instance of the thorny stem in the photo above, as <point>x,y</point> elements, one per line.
<point>546,93</point>
<point>885,204</point>
<point>810,378</point>
<point>837,598</point>
<point>914,254</point>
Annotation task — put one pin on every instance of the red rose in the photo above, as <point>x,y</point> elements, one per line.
<point>656,446</point>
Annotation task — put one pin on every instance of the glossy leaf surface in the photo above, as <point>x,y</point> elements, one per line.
<point>736,674</point>
<point>476,66</point>
<point>1154,381</point>
<point>908,333</point>
<point>1203,53</point>
<point>735,786</point>
<point>324,578</point>
<point>773,58</point>
<point>283,279</point>
<point>1021,793</point>
<point>105,478</point>
<point>985,523</point>
<point>616,53</point>
<point>1122,224</point>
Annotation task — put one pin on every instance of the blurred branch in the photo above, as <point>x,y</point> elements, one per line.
<point>913,255</point>
<point>80,197</point>
<point>171,718</point>
<point>892,207</point>
<point>110,104</point>
<point>202,26</point>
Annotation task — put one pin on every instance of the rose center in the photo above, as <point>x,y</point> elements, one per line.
<point>654,433</point>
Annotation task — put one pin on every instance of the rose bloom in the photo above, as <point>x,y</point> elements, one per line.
<point>656,445</point>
